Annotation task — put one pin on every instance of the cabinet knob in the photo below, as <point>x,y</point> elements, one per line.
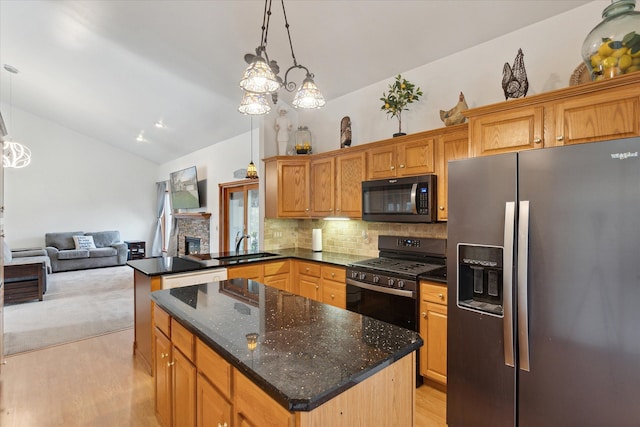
<point>401,166</point>
<point>333,274</point>
<point>559,137</point>
<point>440,296</point>
<point>441,208</point>
<point>223,425</point>
<point>163,355</point>
<point>423,314</point>
<point>307,268</point>
<point>333,296</point>
<point>317,287</point>
<point>393,168</point>
<point>307,209</point>
<point>537,140</point>
<point>170,364</point>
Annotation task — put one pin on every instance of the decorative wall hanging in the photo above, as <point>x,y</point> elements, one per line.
<point>514,79</point>
<point>454,116</point>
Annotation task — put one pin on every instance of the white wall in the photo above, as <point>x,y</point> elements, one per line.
<point>216,164</point>
<point>74,183</point>
<point>551,53</point>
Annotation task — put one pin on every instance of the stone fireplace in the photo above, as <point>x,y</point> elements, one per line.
<point>193,226</point>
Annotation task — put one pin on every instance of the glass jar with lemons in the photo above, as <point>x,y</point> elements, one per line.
<point>613,46</point>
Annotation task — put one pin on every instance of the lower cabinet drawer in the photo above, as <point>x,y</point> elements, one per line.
<point>183,339</point>
<point>214,367</point>
<point>308,268</point>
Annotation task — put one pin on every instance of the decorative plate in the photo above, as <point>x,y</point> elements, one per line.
<point>580,75</point>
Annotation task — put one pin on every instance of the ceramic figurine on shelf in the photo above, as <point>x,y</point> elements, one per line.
<point>345,132</point>
<point>282,126</point>
<point>514,79</point>
<point>454,116</point>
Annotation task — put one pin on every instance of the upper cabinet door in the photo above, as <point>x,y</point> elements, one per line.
<point>454,146</point>
<point>381,162</point>
<point>507,131</point>
<point>415,157</point>
<point>287,187</point>
<point>322,187</point>
<point>350,172</point>
<point>609,115</point>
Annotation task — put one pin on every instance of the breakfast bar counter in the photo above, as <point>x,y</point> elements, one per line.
<point>305,355</point>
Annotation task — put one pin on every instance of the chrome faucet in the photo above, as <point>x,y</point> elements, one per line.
<point>239,240</point>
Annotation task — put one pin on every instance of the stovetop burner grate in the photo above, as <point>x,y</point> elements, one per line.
<point>392,265</point>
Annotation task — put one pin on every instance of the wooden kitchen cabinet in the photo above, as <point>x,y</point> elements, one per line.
<point>212,408</point>
<point>213,388</point>
<point>350,172</point>
<point>336,185</point>
<point>597,111</point>
<point>287,187</point>
<point>323,186</point>
<point>334,288</point>
<point>452,145</point>
<point>403,156</point>
<point>433,329</point>
<point>175,373</point>
<point>277,274</point>
<point>307,280</point>
<point>273,273</point>
<point>163,384</point>
<point>516,130</point>
<point>253,271</point>
<point>608,115</point>
<point>255,408</point>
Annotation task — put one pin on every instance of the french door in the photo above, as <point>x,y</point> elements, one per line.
<point>239,215</point>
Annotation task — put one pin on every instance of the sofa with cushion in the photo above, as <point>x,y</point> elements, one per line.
<point>77,250</point>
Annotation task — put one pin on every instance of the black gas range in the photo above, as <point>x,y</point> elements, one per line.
<point>403,261</point>
<point>387,288</point>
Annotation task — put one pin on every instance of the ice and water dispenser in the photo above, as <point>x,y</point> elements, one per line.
<point>480,278</point>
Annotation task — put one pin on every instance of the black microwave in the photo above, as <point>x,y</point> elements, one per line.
<point>409,199</point>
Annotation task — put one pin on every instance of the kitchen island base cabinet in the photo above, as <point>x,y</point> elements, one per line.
<point>175,373</point>
<point>211,392</point>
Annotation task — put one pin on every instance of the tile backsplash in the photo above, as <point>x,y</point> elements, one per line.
<point>353,236</point>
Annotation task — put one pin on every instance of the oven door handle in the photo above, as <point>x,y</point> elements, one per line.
<point>382,289</point>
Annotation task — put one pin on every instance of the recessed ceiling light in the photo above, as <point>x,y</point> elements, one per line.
<point>140,137</point>
<point>160,124</point>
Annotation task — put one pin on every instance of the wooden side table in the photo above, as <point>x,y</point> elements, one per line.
<point>137,249</point>
<point>24,282</point>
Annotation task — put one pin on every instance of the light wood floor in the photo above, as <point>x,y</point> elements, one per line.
<point>97,382</point>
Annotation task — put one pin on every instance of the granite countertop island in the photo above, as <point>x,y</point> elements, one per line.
<point>307,352</point>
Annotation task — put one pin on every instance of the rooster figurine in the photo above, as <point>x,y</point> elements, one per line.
<point>514,80</point>
<point>454,116</point>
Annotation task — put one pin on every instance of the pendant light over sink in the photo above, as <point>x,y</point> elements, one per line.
<point>261,76</point>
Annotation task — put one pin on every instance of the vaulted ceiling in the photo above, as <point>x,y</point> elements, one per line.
<point>110,69</point>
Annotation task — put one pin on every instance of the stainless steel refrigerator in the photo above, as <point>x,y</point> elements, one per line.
<point>544,288</point>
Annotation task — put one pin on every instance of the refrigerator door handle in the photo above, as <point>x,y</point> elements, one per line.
<point>507,283</point>
<point>523,304</point>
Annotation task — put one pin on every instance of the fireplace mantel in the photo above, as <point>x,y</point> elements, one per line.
<point>192,215</point>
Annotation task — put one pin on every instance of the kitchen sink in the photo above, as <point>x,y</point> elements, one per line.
<point>245,256</point>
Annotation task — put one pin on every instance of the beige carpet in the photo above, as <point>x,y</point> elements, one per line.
<point>77,305</point>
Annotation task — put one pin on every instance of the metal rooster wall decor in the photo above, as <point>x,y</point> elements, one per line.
<point>514,79</point>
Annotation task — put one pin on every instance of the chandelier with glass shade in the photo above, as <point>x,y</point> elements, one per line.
<point>261,76</point>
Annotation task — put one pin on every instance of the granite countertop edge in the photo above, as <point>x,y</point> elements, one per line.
<point>155,266</point>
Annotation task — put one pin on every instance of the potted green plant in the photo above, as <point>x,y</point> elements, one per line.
<point>401,93</point>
